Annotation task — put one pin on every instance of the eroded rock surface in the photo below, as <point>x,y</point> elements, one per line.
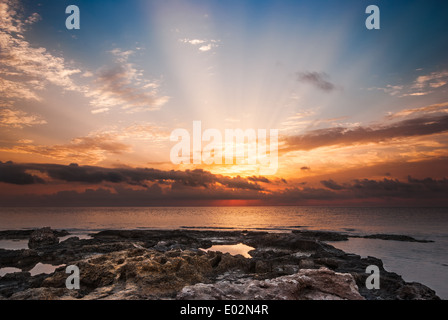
<point>307,284</point>
<point>170,264</point>
<point>42,237</point>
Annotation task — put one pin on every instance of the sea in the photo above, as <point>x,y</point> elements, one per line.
<point>426,263</point>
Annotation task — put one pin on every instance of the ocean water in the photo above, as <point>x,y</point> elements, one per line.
<point>426,263</point>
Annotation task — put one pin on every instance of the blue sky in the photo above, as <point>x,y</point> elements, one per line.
<point>257,36</point>
<point>110,93</point>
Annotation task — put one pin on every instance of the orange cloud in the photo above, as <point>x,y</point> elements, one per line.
<point>18,119</point>
<point>431,109</point>
<point>84,149</point>
<point>341,136</point>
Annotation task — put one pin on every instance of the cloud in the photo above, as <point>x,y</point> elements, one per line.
<point>316,79</point>
<point>416,94</point>
<point>367,188</point>
<point>330,184</point>
<point>146,186</point>
<point>431,109</point>
<point>390,89</point>
<point>26,70</point>
<point>101,110</point>
<point>362,135</point>
<point>421,86</point>
<point>16,90</point>
<point>142,131</point>
<point>35,17</point>
<point>13,174</point>
<point>134,176</point>
<point>123,85</point>
<point>298,122</point>
<point>432,80</point>
<point>205,48</point>
<point>10,21</point>
<point>12,118</point>
<point>305,168</point>
<point>204,45</point>
<point>259,179</point>
<point>122,56</point>
<point>91,149</point>
<point>192,41</point>
<point>31,66</point>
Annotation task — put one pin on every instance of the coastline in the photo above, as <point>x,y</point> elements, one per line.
<point>174,264</point>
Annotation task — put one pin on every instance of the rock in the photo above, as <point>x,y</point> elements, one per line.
<point>158,264</point>
<point>25,234</point>
<point>262,267</point>
<point>415,291</point>
<point>322,284</point>
<point>225,262</point>
<point>321,235</point>
<point>395,237</point>
<point>42,294</point>
<point>306,264</point>
<point>42,237</point>
<point>152,274</point>
<point>330,263</point>
<point>71,240</point>
<point>290,241</point>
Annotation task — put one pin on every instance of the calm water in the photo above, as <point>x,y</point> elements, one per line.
<point>422,262</point>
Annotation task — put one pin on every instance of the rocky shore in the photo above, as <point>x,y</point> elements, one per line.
<point>173,264</point>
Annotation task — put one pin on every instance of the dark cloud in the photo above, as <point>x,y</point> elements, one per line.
<point>293,195</point>
<point>361,135</point>
<point>305,168</point>
<point>316,79</point>
<point>367,188</point>
<point>259,179</point>
<point>432,185</point>
<point>10,173</point>
<point>157,187</point>
<point>15,173</point>
<point>330,184</point>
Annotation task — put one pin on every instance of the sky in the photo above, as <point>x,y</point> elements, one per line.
<point>86,115</point>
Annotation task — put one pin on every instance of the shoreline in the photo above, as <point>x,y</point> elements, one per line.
<point>172,264</point>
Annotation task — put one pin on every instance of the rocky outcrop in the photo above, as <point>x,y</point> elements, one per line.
<point>394,237</point>
<point>307,284</point>
<point>42,237</point>
<point>322,235</point>
<point>25,234</point>
<point>137,273</point>
<point>159,264</point>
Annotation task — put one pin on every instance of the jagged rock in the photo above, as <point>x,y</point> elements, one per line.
<point>308,284</point>
<point>415,291</point>
<point>25,234</point>
<point>222,262</point>
<point>42,294</point>
<point>322,235</point>
<point>284,240</point>
<point>306,264</point>
<point>395,237</point>
<point>127,265</point>
<point>42,237</point>
<point>151,273</point>
<point>262,267</point>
